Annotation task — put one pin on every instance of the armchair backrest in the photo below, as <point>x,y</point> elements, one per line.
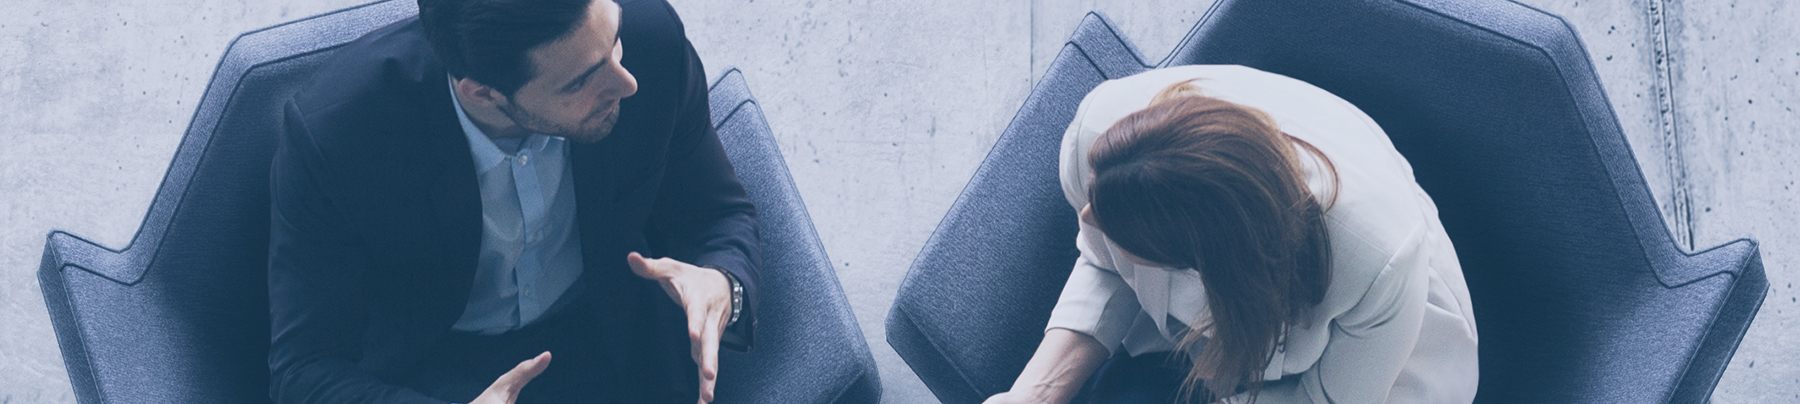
<point>1580,292</point>
<point>181,314</point>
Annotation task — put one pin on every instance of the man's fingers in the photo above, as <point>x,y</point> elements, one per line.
<point>706,390</point>
<point>641,266</point>
<point>708,357</point>
<point>709,350</point>
<point>696,317</point>
<point>695,346</point>
<point>516,378</point>
<point>661,270</point>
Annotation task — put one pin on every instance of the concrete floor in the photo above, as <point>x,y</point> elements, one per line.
<point>882,118</point>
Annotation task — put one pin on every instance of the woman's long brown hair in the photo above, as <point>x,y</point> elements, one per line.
<point>1198,182</point>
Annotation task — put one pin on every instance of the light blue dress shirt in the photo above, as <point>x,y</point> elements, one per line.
<point>530,247</point>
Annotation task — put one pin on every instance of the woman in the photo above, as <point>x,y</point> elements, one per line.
<point>1248,236</point>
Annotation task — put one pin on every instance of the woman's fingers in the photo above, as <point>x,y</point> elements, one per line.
<point>516,378</point>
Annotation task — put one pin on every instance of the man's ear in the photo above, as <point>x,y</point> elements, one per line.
<point>470,91</point>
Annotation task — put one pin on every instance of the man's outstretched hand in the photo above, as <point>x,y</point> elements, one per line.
<point>705,294</point>
<point>506,389</point>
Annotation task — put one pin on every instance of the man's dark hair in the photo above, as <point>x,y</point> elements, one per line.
<point>487,40</point>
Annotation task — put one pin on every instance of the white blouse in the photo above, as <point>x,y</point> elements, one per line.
<point>1395,324</point>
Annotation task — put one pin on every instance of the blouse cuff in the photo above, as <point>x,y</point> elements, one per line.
<point>1097,303</point>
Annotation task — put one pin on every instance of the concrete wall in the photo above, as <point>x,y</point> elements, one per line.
<point>1735,80</point>
<point>882,118</point>
<point>94,97</point>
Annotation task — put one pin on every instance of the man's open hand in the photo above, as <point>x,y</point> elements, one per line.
<point>705,294</point>
<point>506,389</point>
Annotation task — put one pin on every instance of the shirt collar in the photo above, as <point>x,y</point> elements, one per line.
<point>487,155</point>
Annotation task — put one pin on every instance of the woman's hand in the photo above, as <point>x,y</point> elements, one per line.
<point>1011,398</point>
<point>1056,372</point>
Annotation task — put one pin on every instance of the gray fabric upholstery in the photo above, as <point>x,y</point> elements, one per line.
<point>1580,293</point>
<point>809,348</point>
<point>181,314</point>
<point>971,310</point>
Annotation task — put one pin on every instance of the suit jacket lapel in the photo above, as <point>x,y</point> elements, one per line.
<point>593,187</point>
<point>591,164</point>
<point>456,204</point>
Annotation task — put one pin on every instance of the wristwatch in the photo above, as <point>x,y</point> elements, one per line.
<point>737,295</point>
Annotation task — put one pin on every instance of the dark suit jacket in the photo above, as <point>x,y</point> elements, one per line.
<point>377,218</point>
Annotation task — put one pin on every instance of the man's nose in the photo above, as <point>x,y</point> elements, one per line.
<point>626,88</point>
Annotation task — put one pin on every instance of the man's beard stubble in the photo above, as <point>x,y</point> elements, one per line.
<point>537,124</point>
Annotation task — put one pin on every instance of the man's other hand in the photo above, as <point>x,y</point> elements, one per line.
<point>705,294</point>
<point>506,389</point>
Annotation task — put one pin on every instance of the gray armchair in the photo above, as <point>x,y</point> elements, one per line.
<point>181,314</point>
<point>1580,294</point>
<point>808,346</point>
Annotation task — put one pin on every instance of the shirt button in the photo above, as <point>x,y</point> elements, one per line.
<point>524,159</point>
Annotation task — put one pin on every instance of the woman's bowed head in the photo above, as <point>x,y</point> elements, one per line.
<point>1198,182</point>
<point>1210,200</point>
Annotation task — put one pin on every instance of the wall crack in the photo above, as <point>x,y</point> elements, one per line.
<point>1680,208</point>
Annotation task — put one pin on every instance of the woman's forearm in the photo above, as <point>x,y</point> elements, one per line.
<point>1062,363</point>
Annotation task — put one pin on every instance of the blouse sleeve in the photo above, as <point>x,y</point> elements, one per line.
<point>1096,301</point>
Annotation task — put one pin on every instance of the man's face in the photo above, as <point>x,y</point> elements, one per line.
<point>579,81</point>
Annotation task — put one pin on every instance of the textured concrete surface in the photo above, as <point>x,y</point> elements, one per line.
<point>883,109</point>
<point>1736,87</point>
<point>1154,27</point>
<point>96,97</point>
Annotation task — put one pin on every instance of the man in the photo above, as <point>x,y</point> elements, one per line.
<point>481,185</point>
